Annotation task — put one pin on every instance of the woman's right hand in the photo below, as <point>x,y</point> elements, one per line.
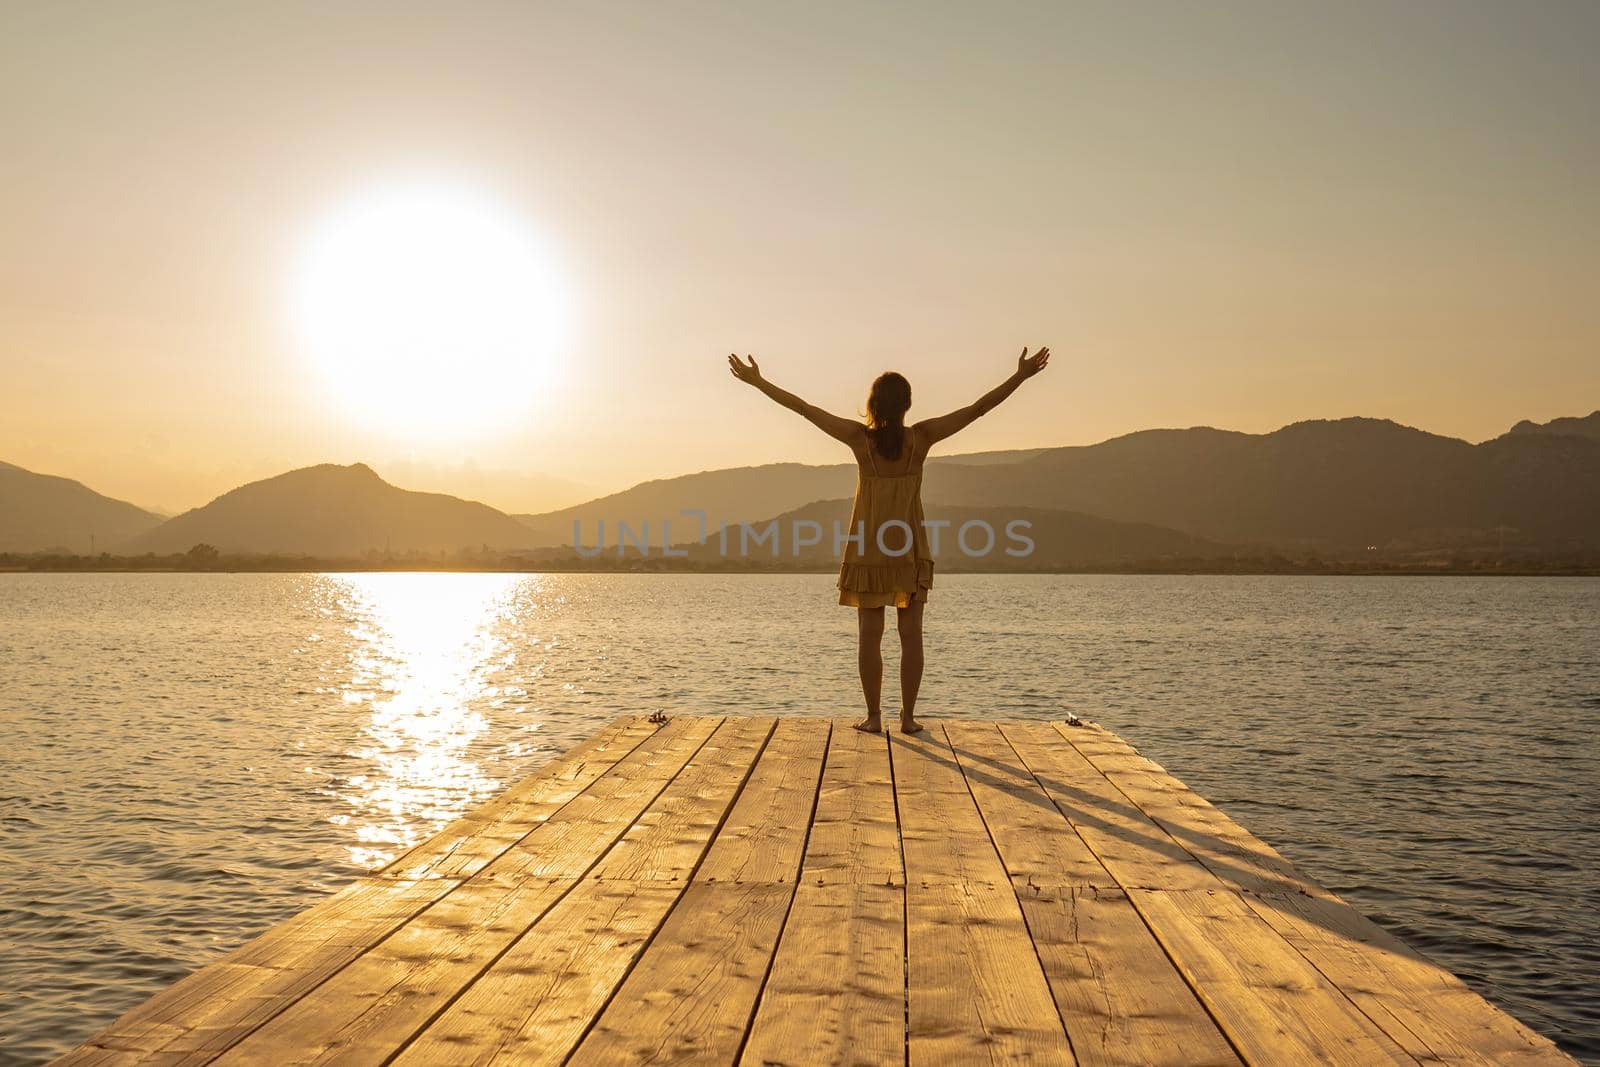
<point>749,373</point>
<point>1028,366</point>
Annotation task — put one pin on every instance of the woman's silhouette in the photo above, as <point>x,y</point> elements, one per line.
<point>891,562</point>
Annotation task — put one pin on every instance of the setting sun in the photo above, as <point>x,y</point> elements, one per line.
<point>429,309</point>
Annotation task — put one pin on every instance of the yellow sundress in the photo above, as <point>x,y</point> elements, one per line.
<point>888,515</point>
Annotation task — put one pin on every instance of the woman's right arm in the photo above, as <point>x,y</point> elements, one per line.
<point>937,429</point>
<point>840,429</point>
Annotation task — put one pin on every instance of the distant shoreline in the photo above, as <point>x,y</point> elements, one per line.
<point>655,565</point>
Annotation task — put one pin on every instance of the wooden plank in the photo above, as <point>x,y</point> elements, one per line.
<point>537,1000</point>
<point>1037,845</point>
<point>372,1007</point>
<point>599,751</point>
<point>694,990</point>
<point>1228,850</point>
<point>1137,851</point>
<point>941,832</point>
<point>855,836</point>
<point>836,990</point>
<point>470,843</point>
<point>567,846</point>
<point>836,993</point>
<point>975,990</point>
<point>765,835</point>
<point>691,995</point>
<point>669,840</point>
<point>1274,1006</point>
<point>1427,1010</point>
<point>1118,993</point>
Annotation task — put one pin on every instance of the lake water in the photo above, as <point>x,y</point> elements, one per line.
<point>188,759</point>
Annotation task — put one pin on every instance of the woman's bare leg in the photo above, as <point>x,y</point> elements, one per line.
<point>869,629</point>
<point>909,620</point>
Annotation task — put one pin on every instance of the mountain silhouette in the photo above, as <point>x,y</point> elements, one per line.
<point>41,512</point>
<point>1327,485</point>
<point>333,511</point>
<point>1586,426</point>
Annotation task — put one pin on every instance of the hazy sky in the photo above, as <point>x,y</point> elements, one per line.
<point>1239,215</point>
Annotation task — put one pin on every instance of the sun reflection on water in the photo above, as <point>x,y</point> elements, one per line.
<point>425,651</point>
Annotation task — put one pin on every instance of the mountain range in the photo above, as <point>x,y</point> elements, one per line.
<point>1336,487</point>
<point>41,511</point>
<point>1326,486</point>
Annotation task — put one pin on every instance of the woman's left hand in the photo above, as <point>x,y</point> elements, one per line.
<point>749,373</point>
<point>1028,366</point>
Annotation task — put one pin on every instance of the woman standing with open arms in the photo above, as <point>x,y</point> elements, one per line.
<point>877,571</point>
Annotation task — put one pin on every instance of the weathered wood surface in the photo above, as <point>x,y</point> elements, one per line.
<point>763,891</point>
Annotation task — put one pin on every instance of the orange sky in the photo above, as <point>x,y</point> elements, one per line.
<point>1238,215</point>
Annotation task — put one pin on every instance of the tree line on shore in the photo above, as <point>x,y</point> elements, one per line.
<point>207,558</point>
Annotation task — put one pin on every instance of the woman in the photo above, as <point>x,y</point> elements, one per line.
<point>890,563</point>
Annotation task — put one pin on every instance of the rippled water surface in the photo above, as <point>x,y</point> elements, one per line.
<point>188,759</point>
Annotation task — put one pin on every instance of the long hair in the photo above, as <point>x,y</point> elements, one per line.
<point>887,404</point>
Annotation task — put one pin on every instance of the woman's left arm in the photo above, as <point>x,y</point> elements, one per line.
<point>840,429</point>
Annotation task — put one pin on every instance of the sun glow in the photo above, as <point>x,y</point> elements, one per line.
<point>430,309</point>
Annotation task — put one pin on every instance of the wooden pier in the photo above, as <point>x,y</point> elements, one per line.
<point>792,891</point>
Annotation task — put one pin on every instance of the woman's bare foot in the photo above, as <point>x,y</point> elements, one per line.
<point>872,724</point>
<point>908,725</point>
